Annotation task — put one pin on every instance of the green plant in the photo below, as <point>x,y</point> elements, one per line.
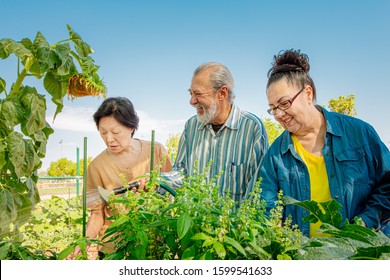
<point>24,131</point>
<point>343,105</point>
<point>14,250</point>
<point>348,241</point>
<point>54,224</point>
<point>200,224</point>
<point>66,167</point>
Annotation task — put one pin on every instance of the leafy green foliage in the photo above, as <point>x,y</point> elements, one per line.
<point>273,129</point>
<point>24,131</point>
<point>199,224</point>
<point>62,167</point>
<point>14,250</point>
<point>343,105</point>
<point>352,241</point>
<point>66,167</point>
<point>319,211</point>
<point>54,224</point>
<point>172,145</point>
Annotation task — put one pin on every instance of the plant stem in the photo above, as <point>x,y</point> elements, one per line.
<point>18,83</point>
<point>75,55</point>
<point>21,76</point>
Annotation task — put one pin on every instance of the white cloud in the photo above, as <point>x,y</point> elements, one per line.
<point>74,119</point>
<point>162,128</point>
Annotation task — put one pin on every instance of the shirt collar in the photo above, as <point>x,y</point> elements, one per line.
<point>331,124</point>
<point>331,128</point>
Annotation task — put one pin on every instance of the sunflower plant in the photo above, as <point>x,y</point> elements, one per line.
<point>65,67</point>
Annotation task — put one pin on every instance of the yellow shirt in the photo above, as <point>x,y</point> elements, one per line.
<point>319,184</point>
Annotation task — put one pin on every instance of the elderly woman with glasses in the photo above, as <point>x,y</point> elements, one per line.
<point>321,155</point>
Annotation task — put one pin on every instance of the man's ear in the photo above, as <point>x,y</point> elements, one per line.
<point>223,93</point>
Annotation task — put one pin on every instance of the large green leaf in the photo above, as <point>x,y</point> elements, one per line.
<point>35,111</point>
<point>40,140</point>
<point>57,88</point>
<point>12,211</point>
<point>41,50</point>
<point>142,237</point>
<point>63,61</point>
<point>67,66</point>
<point>25,207</point>
<point>326,212</point>
<point>188,253</point>
<point>33,193</point>
<point>371,253</point>
<point>3,203</point>
<point>354,231</point>
<point>9,46</point>
<point>88,66</point>
<point>26,42</point>
<point>2,85</point>
<point>235,244</point>
<point>66,252</point>
<point>82,48</point>
<point>201,236</point>
<point>120,221</point>
<point>3,147</point>
<point>219,249</point>
<point>9,117</point>
<point>208,240</point>
<point>22,154</point>
<point>183,224</point>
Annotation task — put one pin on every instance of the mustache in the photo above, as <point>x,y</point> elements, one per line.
<point>198,106</point>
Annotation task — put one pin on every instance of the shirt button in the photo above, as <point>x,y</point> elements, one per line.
<point>328,154</point>
<point>332,175</point>
<point>336,196</point>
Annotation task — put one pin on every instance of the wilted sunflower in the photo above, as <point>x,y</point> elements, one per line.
<point>80,86</point>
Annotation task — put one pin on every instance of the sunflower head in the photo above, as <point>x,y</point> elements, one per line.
<point>80,86</point>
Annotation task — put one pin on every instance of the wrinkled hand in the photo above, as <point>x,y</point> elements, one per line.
<point>142,185</point>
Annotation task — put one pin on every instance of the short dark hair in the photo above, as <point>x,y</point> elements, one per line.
<point>121,109</point>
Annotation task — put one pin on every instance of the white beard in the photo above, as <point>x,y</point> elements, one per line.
<point>208,114</point>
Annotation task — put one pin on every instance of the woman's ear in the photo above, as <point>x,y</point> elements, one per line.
<point>309,94</point>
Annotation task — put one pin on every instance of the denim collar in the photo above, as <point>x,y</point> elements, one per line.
<point>331,128</point>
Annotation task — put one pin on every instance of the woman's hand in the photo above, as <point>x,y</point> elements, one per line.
<point>142,185</point>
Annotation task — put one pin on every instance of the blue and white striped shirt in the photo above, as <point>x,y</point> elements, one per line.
<point>237,150</point>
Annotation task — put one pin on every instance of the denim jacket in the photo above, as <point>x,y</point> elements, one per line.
<point>355,158</point>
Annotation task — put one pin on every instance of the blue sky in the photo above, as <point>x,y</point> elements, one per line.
<point>147,51</point>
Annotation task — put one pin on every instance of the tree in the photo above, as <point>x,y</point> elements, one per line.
<point>66,167</point>
<point>89,159</point>
<point>343,105</point>
<point>24,131</point>
<point>172,145</point>
<point>62,167</point>
<point>273,129</point>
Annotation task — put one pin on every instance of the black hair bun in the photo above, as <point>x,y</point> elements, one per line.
<point>290,61</point>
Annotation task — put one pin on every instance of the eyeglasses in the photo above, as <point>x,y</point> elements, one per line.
<point>284,105</point>
<point>197,94</point>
